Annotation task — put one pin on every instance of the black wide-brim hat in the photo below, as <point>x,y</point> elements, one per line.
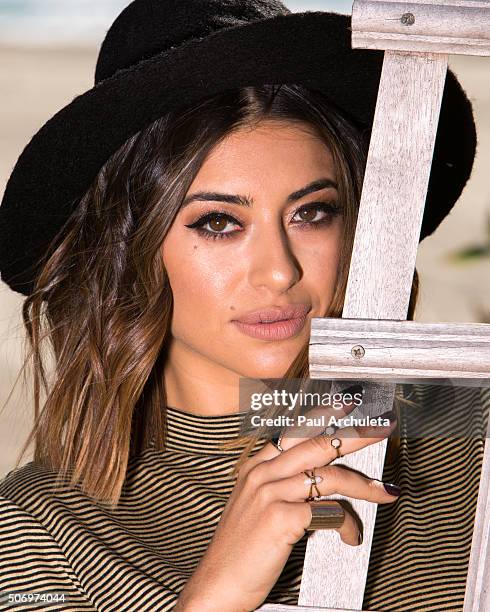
<point>163,55</point>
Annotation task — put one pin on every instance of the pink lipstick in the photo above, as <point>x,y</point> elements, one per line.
<point>276,323</point>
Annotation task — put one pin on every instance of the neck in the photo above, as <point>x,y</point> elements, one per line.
<point>196,385</point>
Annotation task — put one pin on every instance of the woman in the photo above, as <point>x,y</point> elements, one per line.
<point>195,216</point>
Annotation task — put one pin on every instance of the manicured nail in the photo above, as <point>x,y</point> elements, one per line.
<point>392,489</point>
<point>390,414</point>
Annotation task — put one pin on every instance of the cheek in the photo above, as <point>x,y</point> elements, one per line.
<point>201,283</point>
<point>319,260</point>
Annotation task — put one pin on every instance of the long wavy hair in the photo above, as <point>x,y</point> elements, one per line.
<point>102,304</point>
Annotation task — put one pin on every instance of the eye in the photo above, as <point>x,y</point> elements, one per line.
<point>217,221</point>
<point>309,214</point>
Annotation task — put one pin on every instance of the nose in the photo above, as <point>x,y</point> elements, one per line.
<point>272,262</point>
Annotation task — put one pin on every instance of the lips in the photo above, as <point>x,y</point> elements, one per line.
<point>271,315</point>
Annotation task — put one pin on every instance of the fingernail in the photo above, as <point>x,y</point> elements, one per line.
<point>353,389</point>
<point>392,489</point>
<point>359,538</point>
<point>390,414</point>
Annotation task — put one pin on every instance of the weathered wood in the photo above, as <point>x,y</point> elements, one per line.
<point>422,26</point>
<point>282,608</point>
<point>398,349</point>
<point>395,186</point>
<point>379,284</point>
<point>477,594</point>
<point>343,564</point>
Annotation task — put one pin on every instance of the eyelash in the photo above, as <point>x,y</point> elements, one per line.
<point>330,208</point>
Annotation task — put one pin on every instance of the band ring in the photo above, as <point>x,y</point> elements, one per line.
<point>328,432</point>
<point>312,482</point>
<point>326,514</point>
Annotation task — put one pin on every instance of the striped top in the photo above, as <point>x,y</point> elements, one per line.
<point>140,555</point>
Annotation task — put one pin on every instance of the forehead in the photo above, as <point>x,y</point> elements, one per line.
<point>269,152</point>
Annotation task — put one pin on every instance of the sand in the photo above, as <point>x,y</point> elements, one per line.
<point>36,83</point>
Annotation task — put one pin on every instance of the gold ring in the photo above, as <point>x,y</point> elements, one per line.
<point>328,432</point>
<point>312,483</point>
<point>327,514</point>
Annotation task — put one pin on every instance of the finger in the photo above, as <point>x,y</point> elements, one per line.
<point>331,480</point>
<point>296,434</point>
<point>317,451</point>
<point>349,531</point>
<point>314,422</point>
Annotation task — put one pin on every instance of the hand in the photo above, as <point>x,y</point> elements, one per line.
<point>266,514</point>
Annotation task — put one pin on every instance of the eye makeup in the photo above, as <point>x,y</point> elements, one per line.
<point>330,210</point>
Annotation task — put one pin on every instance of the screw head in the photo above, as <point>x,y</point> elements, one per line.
<point>358,351</point>
<point>408,19</point>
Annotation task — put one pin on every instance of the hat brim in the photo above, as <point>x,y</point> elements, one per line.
<point>312,48</point>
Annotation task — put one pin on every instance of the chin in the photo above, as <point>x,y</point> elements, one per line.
<point>267,370</point>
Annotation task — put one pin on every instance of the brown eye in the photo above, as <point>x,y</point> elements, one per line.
<point>308,214</point>
<point>218,223</point>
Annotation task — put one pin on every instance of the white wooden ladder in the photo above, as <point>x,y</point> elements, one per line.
<point>417,37</point>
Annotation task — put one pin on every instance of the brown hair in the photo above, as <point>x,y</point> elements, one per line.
<point>102,300</point>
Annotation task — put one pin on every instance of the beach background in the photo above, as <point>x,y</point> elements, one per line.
<point>48,51</point>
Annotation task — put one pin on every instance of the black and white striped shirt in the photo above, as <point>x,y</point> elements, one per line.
<point>140,555</point>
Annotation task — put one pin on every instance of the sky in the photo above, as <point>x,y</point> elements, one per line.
<point>87,21</point>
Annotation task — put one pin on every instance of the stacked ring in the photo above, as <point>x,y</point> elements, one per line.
<point>328,514</point>
<point>328,432</point>
<point>312,481</point>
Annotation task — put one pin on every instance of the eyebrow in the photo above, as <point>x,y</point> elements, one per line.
<point>240,200</point>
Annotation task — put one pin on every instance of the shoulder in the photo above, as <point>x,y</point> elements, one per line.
<point>31,559</point>
<point>33,493</point>
<point>28,507</point>
<point>23,493</point>
<point>28,485</point>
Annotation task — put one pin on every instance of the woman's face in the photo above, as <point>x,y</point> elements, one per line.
<point>270,240</point>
